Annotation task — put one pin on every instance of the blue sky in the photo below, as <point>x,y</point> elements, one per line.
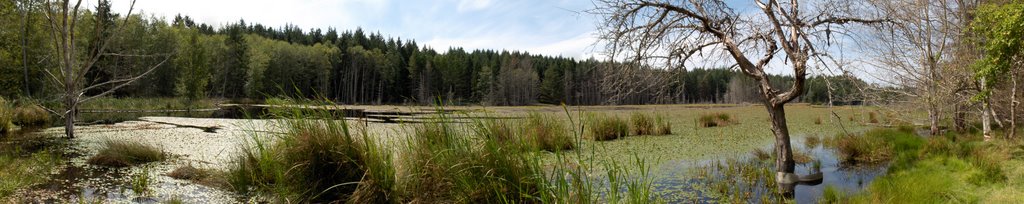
<point>551,27</point>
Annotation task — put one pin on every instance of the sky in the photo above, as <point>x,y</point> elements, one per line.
<point>550,27</point>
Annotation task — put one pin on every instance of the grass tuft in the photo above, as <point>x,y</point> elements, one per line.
<point>663,125</point>
<point>715,119</point>
<point>817,121</point>
<point>761,154</point>
<point>314,161</point>
<point>6,117</point>
<point>21,171</point>
<point>872,117</point>
<point>642,123</point>
<point>118,153</point>
<point>446,166</point>
<point>141,182</point>
<point>812,141</point>
<point>189,172</point>
<point>547,133</point>
<point>604,128</point>
<point>31,115</point>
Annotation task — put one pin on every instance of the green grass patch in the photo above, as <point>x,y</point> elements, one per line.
<point>21,171</point>
<point>950,169</point>
<point>119,153</point>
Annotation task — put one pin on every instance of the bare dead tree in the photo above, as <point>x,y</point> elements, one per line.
<point>665,33</point>
<point>921,52</point>
<point>62,17</point>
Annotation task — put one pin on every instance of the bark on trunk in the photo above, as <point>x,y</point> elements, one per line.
<point>986,123</point>
<point>960,118</point>
<point>69,118</point>
<point>784,150</point>
<point>933,118</point>
<point>1013,108</point>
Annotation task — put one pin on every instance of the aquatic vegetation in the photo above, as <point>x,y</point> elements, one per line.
<point>189,172</point>
<point>812,141</point>
<point>544,132</point>
<point>6,117</point>
<point>817,121</point>
<point>740,181</point>
<point>642,124</point>
<point>31,115</point>
<point>761,154</point>
<point>831,195</point>
<point>716,119</point>
<point>875,146</point>
<point>141,182</point>
<point>315,161</point>
<point>444,165</point>
<point>663,126</point>
<point>18,171</point>
<point>603,128</point>
<point>118,153</point>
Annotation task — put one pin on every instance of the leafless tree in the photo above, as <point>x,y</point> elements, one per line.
<point>62,17</point>
<point>668,33</point>
<point>922,52</point>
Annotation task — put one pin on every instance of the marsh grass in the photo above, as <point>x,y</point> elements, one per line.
<point>945,169</point>
<point>800,157</point>
<point>441,161</point>
<point>642,124</point>
<point>120,153</point>
<point>831,195</point>
<point>873,117</point>
<point>19,171</point>
<point>739,181</point>
<point>717,119</point>
<point>191,173</point>
<point>817,121</point>
<point>812,141</point>
<point>314,160</point>
<point>761,154</point>
<point>141,183</point>
<point>603,128</point>
<point>663,126</point>
<point>545,132</point>
<point>31,115</point>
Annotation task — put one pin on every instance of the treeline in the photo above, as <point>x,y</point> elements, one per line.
<point>251,60</point>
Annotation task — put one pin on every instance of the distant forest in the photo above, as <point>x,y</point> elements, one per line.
<point>251,60</point>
